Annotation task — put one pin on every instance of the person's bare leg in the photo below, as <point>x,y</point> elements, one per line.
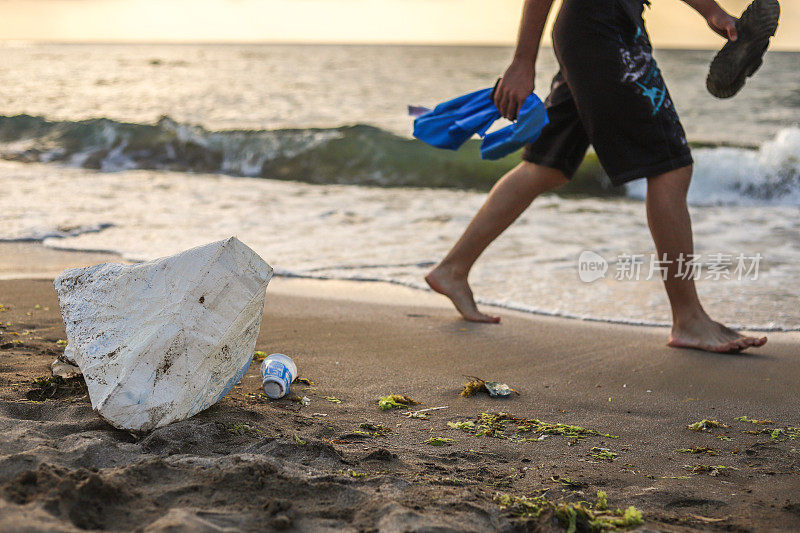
<point>510,196</point>
<point>671,227</point>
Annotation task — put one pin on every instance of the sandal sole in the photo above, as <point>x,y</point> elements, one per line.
<point>740,59</point>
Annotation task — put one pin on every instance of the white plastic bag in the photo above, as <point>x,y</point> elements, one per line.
<point>158,342</point>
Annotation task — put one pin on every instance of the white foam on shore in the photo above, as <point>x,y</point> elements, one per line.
<point>359,233</point>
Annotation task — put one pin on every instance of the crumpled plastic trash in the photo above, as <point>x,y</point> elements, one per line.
<point>495,389</point>
<point>498,390</point>
<point>158,342</point>
<point>450,124</point>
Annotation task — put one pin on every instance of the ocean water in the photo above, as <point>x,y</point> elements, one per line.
<point>304,153</point>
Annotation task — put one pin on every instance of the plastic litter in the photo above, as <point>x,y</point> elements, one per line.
<point>158,342</point>
<point>499,390</point>
<point>277,373</point>
<point>493,388</point>
<point>64,369</point>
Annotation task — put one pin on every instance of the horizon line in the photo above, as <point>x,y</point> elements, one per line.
<point>455,44</point>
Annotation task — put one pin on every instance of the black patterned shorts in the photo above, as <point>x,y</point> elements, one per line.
<point>609,93</point>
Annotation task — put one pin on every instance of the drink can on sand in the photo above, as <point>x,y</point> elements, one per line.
<point>277,373</point>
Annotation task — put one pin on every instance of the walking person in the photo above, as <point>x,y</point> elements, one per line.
<point>608,93</point>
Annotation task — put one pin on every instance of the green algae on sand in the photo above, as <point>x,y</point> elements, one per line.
<point>497,425</point>
<point>573,517</point>
<point>706,425</point>
<point>396,401</point>
<point>439,441</point>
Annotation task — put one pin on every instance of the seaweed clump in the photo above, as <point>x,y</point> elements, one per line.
<point>396,401</point>
<point>240,429</point>
<point>603,454</point>
<point>492,388</point>
<point>705,425</point>
<point>52,387</point>
<point>698,449</point>
<point>373,430</point>
<point>573,517</point>
<point>497,425</point>
<point>711,470</point>
<point>754,421</point>
<point>468,426</point>
<point>439,441</point>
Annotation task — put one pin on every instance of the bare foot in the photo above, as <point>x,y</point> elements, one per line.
<point>705,334</point>
<point>457,289</point>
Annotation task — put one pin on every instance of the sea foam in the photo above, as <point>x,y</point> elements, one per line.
<point>396,234</point>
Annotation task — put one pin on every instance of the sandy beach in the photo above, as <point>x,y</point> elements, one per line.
<point>340,463</point>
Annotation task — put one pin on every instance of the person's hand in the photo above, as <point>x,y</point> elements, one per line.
<point>515,86</point>
<point>723,24</point>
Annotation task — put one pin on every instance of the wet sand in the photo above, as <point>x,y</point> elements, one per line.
<point>253,464</point>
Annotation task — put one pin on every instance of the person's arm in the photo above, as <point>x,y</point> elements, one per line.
<point>518,81</point>
<point>719,21</point>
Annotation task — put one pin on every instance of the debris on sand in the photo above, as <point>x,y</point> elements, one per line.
<point>698,449</point>
<point>299,441</point>
<point>302,400</point>
<point>573,517</point>
<point>706,425</point>
<point>396,401</point>
<point>256,397</point>
<point>603,454</point>
<point>373,430</point>
<point>333,399</point>
<point>567,482</point>
<point>439,441</point>
<point>492,388</point>
<point>602,501</point>
<point>259,356</point>
<point>51,387</point>
<point>496,425</point>
<point>776,434</point>
<point>423,413</point>
<point>303,381</point>
<point>787,433</point>
<point>468,426</point>
<point>711,470</point>
<point>754,421</point>
<point>243,429</point>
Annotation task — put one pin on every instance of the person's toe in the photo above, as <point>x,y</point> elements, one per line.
<point>740,345</point>
<point>741,342</point>
<point>731,347</point>
<point>752,342</point>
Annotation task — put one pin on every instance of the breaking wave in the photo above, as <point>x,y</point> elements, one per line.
<point>354,155</point>
<point>366,155</point>
<point>769,174</point>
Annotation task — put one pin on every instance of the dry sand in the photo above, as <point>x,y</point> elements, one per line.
<point>241,466</point>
